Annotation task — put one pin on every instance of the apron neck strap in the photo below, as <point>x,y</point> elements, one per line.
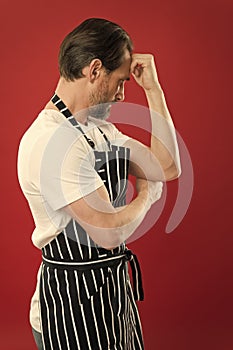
<point>61,106</point>
<point>67,113</point>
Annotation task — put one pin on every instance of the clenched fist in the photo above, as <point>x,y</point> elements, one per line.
<point>144,71</point>
<point>153,188</point>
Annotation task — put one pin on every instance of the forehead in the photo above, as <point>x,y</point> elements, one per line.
<point>123,72</point>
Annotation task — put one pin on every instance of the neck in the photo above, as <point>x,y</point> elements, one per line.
<point>73,94</point>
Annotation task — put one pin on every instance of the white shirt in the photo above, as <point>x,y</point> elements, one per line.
<point>56,168</point>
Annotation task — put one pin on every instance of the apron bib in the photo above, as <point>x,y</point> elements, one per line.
<point>86,298</point>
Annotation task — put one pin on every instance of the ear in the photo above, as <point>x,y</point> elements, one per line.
<point>92,72</point>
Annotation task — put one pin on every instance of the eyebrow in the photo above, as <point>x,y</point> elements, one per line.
<point>124,79</point>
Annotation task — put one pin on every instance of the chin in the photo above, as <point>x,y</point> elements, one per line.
<point>100,111</point>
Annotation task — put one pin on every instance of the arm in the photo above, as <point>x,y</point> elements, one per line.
<point>164,151</point>
<point>109,226</point>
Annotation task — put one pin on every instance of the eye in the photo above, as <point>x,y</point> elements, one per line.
<point>121,83</point>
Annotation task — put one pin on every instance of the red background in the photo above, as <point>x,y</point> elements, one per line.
<point>187,274</point>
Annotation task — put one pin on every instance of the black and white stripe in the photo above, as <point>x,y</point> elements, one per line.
<point>112,167</point>
<point>86,299</point>
<point>88,308</point>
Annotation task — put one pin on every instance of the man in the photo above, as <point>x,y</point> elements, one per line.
<point>73,168</point>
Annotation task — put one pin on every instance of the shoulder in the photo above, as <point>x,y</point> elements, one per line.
<point>49,124</point>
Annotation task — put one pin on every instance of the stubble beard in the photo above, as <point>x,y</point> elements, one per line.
<point>99,105</point>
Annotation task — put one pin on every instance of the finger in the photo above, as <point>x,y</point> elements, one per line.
<point>145,60</point>
<point>137,69</point>
<point>136,61</point>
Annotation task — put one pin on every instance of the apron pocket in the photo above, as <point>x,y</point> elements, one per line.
<point>91,281</point>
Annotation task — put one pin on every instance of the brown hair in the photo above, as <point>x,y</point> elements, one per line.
<point>93,38</point>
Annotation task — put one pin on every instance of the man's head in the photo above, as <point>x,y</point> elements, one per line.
<point>95,38</point>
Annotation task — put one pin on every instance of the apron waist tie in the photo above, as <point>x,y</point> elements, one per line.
<point>126,256</point>
<point>136,275</point>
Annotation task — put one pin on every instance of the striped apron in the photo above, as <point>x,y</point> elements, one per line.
<point>86,298</point>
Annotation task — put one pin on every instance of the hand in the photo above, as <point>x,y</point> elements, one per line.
<point>144,71</point>
<point>153,189</point>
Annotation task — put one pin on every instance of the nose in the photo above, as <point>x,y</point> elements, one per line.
<point>120,95</point>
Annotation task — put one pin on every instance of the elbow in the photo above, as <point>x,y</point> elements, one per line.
<point>172,173</point>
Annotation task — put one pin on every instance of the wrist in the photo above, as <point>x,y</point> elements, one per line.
<point>156,102</point>
<point>144,198</point>
<point>156,90</point>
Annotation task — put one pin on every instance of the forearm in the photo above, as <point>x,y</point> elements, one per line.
<point>131,216</point>
<point>163,136</point>
<point>154,194</point>
<point>163,139</point>
<point>106,225</point>
<point>109,226</point>
<point>156,101</point>
<point>115,228</point>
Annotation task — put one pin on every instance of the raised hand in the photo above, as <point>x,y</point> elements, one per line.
<point>144,71</point>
